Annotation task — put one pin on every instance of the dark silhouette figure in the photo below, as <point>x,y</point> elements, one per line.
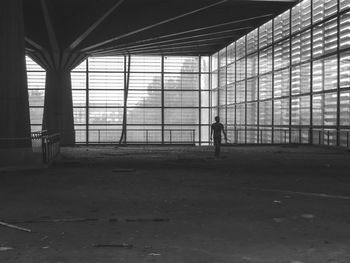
<point>216,129</point>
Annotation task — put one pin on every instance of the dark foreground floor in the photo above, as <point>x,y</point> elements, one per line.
<point>161,204</point>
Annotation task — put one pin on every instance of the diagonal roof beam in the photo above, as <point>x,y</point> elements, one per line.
<point>216,26</point>
<point>159,44</point>
<point>193,49</point>
<point>210,27</point>
<point>170,42</point>
<point>159,50</point>
<point>199,51</point>
<point>166,47</point>
<point>153,25</point>
<point>175,45</point>
<point>33,43</point>
<point>145,42</point>
<point>84,35</point>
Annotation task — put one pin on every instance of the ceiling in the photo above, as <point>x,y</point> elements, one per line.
<point>118,27</point>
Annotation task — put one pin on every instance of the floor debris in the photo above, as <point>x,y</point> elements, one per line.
<point>307,216</point>
<point>147,220</point>
<point>15,227</point>
<point>3,249</point>
<point>58,220</point>
<point>278,219</point>
<point>154,254</point>
<point>77,220</point>
<point>299,193</point>
<point>123,170</point>
<point>123,245</point>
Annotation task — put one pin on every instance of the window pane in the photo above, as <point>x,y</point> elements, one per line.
<point>181,98</point>
<point>265,113</point>
<point>145,81</point>
<point>145,64</point>
<point>231,53</point>
<point>105,116</point>
<point>113,98</point>
<point>181,116</point>
<point>181,64</point>
<point>79,98</point>
<point>301,110</point>
<point>144,98</point>
<point>106,81</point>
<point>281,26</point>
<point>281,112</point>
<point>301,16</point>
<point>106,64</point>
<point>345,31</point>
<point>345,70</point>
<point>345,108</point>
<point>144,116</point>
<point>181,81</point>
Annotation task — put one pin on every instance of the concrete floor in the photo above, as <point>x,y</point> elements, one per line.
<point>178,204</point>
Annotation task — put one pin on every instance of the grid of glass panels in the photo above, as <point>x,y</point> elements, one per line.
<point>288,81</point>
<point>36,76</point>
<point>167,100</point>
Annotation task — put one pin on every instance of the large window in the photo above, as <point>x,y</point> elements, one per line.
<point>288,80</point>
<point>167,100</point>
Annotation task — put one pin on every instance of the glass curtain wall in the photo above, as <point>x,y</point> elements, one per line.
<point>288,81</point>
<point>167,99</point>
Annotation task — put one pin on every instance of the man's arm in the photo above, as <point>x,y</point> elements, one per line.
<point>223,131</point>
<point>211,133</point>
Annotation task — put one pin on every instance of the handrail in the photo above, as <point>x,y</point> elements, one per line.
<point>50,147</point>
<point>42,142</point>
<point>168,135</point>
<point>39,134</point>
<point>301,135</point>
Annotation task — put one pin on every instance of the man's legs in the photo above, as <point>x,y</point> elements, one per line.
<point>217,143</point>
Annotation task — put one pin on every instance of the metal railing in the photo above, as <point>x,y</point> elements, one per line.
<point>302,135</point>
<point>37,140</point>
<point>326,137</point>
<point>257,136</point>
<point>50,147</point>
<point>141,136</point>
<point>47,144</point>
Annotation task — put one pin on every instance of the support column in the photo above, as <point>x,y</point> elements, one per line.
<point>14,106</point>
<point>58,108</point>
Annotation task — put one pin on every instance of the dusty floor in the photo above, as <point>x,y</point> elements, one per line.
<point>161,204</point>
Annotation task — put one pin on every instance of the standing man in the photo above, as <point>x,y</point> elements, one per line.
<point>216,129</point>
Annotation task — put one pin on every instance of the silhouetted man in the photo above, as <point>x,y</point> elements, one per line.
<point>216,129</point>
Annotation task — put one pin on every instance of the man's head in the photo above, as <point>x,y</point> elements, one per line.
<point>217,119</point>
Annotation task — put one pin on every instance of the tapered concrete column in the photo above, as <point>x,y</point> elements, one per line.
<point>58,108</point>
<point>14,106</point>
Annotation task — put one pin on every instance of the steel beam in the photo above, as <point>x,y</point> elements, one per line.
<point>153,25</point>
<point>84,35</point>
